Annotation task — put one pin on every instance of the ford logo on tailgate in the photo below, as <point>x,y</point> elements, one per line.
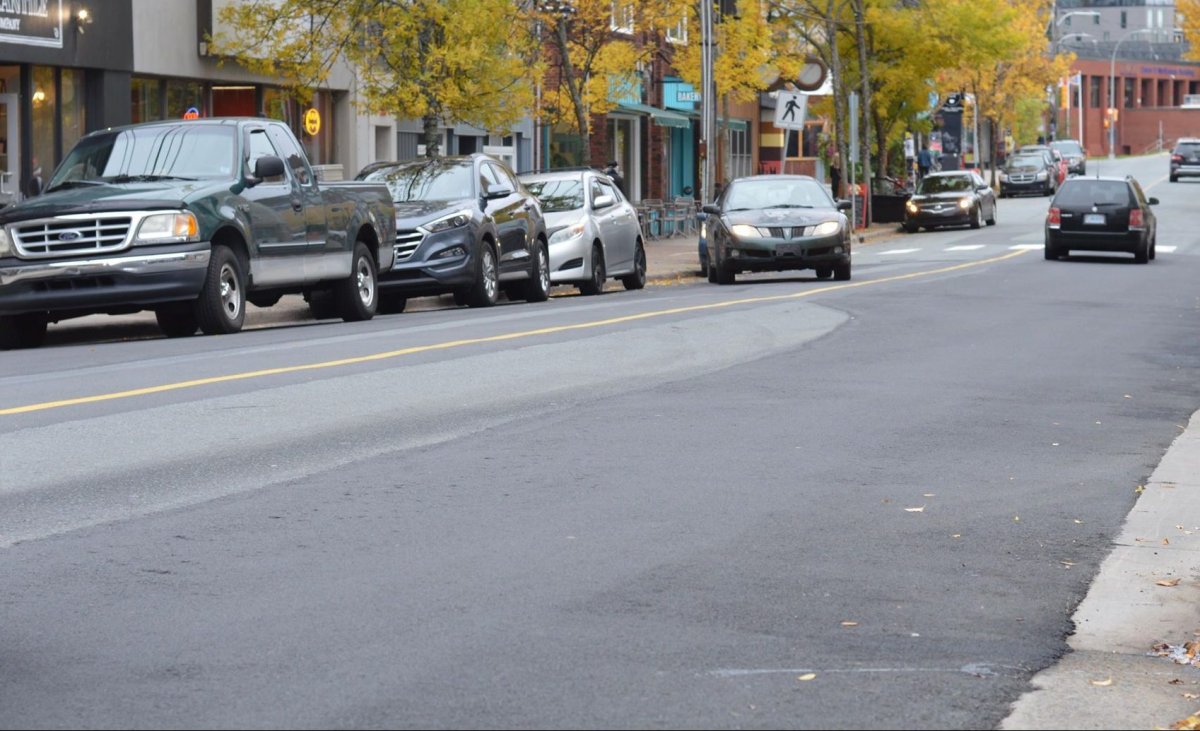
<point>70,236</point>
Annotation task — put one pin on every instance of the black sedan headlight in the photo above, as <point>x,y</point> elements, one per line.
<point>745,231</point>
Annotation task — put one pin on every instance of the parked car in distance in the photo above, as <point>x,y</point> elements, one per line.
<point>1074,154</point>
<point>593,229</point>
<point>1029,172</point>
<point>775,223</point>
<point>1059,162</point>
<point>955,198</point>
<point>464,225</point>
<point>191,220</point>
<point>1185,159</point>
<point>1101,214</point>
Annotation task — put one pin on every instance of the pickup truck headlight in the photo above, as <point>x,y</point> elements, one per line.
<point>445,223</point>
<point>164,228</point>
<point>745,231</point>
<point>6,245</point>
<point>566,233</point>
<point>824,229</point>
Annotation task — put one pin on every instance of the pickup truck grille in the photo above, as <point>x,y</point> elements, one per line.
<point>71,236</point>
<point>406,243</point>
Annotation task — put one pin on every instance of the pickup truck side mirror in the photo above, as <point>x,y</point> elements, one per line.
<point>710,208</point>
<point>497,190</point>
<point>603,201</point>
<point>844,205</point>
<point>267,166</point>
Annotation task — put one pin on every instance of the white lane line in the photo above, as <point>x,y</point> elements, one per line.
<point>1026,247</point>
<point>897,251</point>
<point>1166,249</point>
<point>970,247</point>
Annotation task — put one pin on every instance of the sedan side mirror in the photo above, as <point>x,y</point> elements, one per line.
<point>267,166</point>
<point>603,201</point>
<point>710,208</point>
<point>844,205</point>
<point>1153,201</point>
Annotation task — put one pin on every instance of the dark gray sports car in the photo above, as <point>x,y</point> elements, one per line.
<point>775,223</point>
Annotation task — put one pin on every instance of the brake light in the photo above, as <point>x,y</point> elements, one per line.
<point>1054,218</point>
<point>1176,158</point>
<point>1135,218</point>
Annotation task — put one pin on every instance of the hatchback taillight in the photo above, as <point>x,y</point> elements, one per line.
<point>1176,158</point>
<point>1054,217</point>
<point>1135,218</point>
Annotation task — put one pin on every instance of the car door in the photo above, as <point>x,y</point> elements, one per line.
<point>510,212</point>
<point>328,255</point>
<point>617,223</point>
<point>277,225</point>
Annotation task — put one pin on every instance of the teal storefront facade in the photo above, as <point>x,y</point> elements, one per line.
<point>681,150</point>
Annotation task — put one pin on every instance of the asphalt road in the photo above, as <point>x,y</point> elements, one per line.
<point>786,503</point>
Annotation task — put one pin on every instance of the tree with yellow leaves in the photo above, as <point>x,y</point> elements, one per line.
<point>1188,20</point>
<point>441,61</point>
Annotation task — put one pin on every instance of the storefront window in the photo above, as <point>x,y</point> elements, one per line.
<point>71,109</point>
<point>45,102</point>
<point>185,95</point>
<point>146,100</point>
<point>319,147</point>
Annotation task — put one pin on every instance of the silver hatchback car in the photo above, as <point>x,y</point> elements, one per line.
<point>594,231</point>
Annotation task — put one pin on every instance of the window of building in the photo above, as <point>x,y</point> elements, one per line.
<point>44,152</point>
<point>71,107</point>
<point>145,100</point>
<point>1094,93</point>
<point>739,153</point>
<point>185,95</point>
<point>678,32</point>
<point>1124,18</point>
<point>1129,93</point>
<point>622,16</point>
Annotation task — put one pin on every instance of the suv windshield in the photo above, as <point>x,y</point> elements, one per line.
<point>157,152</point>
<point>427,180</point>
<point>755,194</point>
<point>1084,192</point>
<point>557,195</point>
<point>944,184</point>
<point>1068,147</point>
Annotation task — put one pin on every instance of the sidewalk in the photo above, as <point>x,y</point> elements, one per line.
<point>678,257</point>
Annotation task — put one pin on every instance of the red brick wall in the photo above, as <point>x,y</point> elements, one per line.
<point>1138,129</point>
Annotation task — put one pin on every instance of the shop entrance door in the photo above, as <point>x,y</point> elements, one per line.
<point>10,150</point>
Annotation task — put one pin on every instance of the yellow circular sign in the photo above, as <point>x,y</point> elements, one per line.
<point>312,122</point>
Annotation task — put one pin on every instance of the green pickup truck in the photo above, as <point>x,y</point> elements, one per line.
<point>190,219</point>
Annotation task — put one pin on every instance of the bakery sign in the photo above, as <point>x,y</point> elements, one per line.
<point>32,22</point>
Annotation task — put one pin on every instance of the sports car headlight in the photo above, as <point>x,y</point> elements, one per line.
<point>745,231</point>
<point>964,203</point>
<point>566,233</point>
<point>1043,175</point>
<point>165,228</point>
<point>824,229</point>
<point>6,245</point>
<point>445,223</point>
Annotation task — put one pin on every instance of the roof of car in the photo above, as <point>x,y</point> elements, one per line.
<point>559,172</point>
<point>1097,178</point>
<point>774,176</point>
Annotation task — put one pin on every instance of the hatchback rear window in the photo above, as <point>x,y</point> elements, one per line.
<point>1188,148</point>
<point>1068,148</point>
<point>1083,192</point>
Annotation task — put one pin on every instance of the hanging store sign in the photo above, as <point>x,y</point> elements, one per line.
<point>32,22</point>
<point>312,122</point>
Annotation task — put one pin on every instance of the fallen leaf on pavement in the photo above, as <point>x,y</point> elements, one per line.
<point>1166,542</point>
<point>1191,723</point>
<point>1167,582</point>
<point>807,676</point>
<point>1139,489</point>
<point>1174,681</point>
<point>1191,696</point>
<point>1105,682</point>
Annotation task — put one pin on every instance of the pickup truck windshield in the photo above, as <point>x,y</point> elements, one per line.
<point>189,152</point>
<point>431,180</point>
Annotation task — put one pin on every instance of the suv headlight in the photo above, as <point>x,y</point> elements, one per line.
<point>1003,177</point>
<point>566,233</point>
<point>168,228</point>
<point>745,231</point>
<point>824,229</point>
<point>445,223</point>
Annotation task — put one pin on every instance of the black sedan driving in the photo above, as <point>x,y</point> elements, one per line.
<point>775,223</point>
<point>957,198</point>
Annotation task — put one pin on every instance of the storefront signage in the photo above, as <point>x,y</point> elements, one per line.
<point>687,96</point>
<point>1169,71</point>
<point>192,113</point>
<point>32,22</point>
<point>312,122</point>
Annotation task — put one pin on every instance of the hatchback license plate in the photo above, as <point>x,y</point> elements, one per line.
<point>1093,219</point>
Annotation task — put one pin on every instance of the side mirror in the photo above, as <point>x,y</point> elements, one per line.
<point>710,208</point>
<point>498,190</point>
<point>1153,201</point>
<point>602,201</point>
<point>267,166</point>
<point>844,205</point>
<point>701,216</point>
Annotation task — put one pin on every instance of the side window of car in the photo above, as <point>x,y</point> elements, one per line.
<point>597,190</point>
<point>291,154</point>
<point>487,177</point>
<point>503,176</point>
<point>260,146</point>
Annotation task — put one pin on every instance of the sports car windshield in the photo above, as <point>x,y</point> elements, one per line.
<point>159,152</point>
<point>557,195</point>
<point>431,180</point>
<point>749,195</point>
<point>944,184</point>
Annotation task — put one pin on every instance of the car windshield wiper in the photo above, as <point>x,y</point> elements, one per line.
<point>143,178</point>
<point>790,205</point>
<point>72,184</point>
<point>731,210</point>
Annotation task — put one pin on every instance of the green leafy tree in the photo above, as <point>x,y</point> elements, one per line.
<point>441,61</point>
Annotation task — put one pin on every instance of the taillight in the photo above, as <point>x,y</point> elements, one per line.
<point>1135,218</point>
<point>1176,158</point>
<point>1054,218</point>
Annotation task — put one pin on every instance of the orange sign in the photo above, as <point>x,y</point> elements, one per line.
<point>192,113</point>
<point>312,122</point>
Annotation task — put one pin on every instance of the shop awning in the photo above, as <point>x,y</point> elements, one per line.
<point>661,117</point>
<point>737,125</point>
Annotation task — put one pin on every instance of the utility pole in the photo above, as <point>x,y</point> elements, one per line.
<point>708,103</point>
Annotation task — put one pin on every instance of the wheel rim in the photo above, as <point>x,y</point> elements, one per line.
<point>490,286</point>
<point>365,282</point>
<point>231,292</point>
<point>543,269</point>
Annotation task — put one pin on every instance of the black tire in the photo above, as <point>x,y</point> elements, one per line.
<point>992,221</point>
<point>1174,178</point>
<point>824,272</point>
<point>637,278</point>
<point>462,297</point>
<point>595,285</point>
<point>391,304</point>
<point>1003,193</point>
<point>911,228</point>
<point>711,273</point>
<point>1153,247</point>
<point>1141,254</point>
<point>977,217</point>
<point>357,296</point>
<point>221,307</point>
<point>724,275</point>
<point>177,320</point>
<point>841,271</point>
<point>486,289</point>
<point>537,288</point>
<point>27,330</point>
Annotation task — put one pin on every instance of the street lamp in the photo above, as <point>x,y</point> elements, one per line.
<point>1112,91</point>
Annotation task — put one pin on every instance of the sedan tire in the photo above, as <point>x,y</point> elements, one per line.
<point>977,217</point>
<point>595,285</point>
<point>841,271</point>
<point>637,278</point>
<point>537,288</point>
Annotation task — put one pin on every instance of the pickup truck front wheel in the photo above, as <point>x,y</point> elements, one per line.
<point>221,307</point>
<point>358,296</point>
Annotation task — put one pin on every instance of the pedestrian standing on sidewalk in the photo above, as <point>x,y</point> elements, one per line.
<point>835,176</point>
<point>924,161</point>
<point>613,171</point>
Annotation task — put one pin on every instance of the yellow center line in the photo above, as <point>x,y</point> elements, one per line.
<point>180,385</point>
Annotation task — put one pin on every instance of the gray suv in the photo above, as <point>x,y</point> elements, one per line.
<point>1185,159</point>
